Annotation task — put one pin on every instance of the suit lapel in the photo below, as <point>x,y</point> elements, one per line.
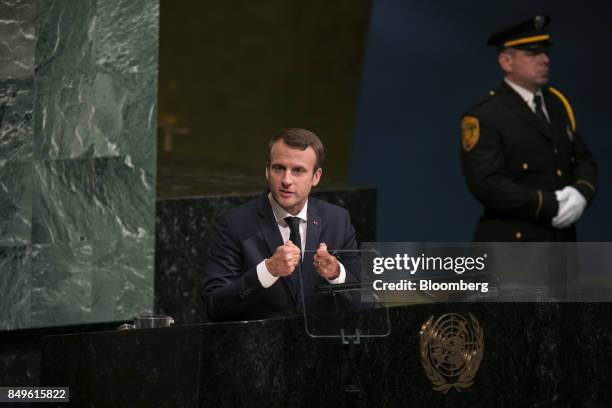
<point>313,233</point>
<point>518,105</point>
<point>272,236</point>
<point>268,225</point>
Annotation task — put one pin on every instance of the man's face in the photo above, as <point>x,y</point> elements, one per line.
<point>528,69</point>
<point>291,176</point>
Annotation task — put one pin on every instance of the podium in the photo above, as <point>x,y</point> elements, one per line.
<point>535,354</point>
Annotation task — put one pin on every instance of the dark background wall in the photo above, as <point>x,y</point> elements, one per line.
<point>427,62</point>
<point>233,72</point>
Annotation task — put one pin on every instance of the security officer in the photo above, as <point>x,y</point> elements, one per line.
<point>521,154</point>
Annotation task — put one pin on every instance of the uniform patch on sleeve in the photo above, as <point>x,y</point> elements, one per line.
<point>470,132</point>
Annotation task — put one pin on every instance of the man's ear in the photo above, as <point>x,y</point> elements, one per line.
<point>316,177</point>
<point>505,61</point>
<point>267,171</point>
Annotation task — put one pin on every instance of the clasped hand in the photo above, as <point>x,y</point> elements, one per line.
<point>287,257</point>
<point>325,263</point>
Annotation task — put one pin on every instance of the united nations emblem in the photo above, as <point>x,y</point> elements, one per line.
<point>470,132</point>
<point>451,350</point>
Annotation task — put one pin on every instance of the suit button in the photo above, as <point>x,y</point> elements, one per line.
<point>525,166</point>
<point>572,159</point>
<point>556,151</point>
<point>519,235</point>
<point>559,172</point>
<point>492,93</point>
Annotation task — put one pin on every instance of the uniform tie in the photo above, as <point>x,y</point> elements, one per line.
<point>537,99</point>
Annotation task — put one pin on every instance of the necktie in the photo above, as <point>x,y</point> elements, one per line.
<point>537,99</point>
<point>294,226</point>
<point>294,236</point>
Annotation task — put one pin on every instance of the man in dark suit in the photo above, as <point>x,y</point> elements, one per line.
<point>262,262</point>
<point>521,155</point>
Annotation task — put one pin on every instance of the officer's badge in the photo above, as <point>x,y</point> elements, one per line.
<point>470,132</point>
<point>570,134</point>
<point>451,350</point>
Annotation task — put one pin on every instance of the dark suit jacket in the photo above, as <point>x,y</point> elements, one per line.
<point>518,162</point>
<point>247,235</point>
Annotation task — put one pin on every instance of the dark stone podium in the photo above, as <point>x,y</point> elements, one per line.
<point>535,355</point>
<point>183,231</point>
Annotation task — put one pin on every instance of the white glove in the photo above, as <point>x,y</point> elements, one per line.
<point>571,207</point>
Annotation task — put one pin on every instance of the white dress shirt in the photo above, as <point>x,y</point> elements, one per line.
<point>265,277</point>
<point>527,96</point>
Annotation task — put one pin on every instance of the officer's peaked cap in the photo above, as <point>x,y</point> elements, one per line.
<point>529,35</point>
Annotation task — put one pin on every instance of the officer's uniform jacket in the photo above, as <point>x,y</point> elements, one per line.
<point>513,164</point>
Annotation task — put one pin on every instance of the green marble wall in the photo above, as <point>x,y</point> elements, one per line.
<point>78,112</point>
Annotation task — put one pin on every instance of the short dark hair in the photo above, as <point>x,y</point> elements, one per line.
<point>300,139</point>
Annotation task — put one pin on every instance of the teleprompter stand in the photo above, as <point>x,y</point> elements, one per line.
<point>346,314</point>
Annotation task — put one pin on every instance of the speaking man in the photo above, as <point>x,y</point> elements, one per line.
<point>262,262</point>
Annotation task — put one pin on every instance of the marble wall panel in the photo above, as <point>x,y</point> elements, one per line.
<point>65,31</point>
<point>126,117</point>
<point>61,283</point>
<point>17,38</point>
<point>93,235</point>
<point>78,81</point>
<point>64,117</point>
<point>16,119</point>
<point>15,203</point>
<point>63,203</point>
<point>122,281</point>
<point>124,209</point>
<point>101,115</point>
<point>126,36</point>
<point>124,235</point>
<point>14,286</point>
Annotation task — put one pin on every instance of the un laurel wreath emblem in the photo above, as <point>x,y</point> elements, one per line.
<point>451,349</point>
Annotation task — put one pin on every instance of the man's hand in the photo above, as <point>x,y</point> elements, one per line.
<point>326,264</point>
<point>571,207</point>
<point>285,259</point>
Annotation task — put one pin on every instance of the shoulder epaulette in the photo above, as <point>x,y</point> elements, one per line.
<point>568,107</point>
<point>487,98</point>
